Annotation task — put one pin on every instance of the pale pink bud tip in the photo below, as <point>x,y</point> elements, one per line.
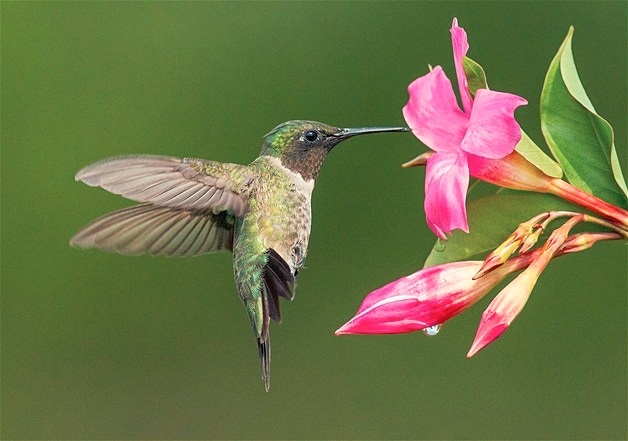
<point>490,329</point>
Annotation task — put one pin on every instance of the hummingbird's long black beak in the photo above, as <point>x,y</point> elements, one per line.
<point>348,133</point>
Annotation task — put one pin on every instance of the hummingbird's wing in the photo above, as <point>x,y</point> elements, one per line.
<point>165,231</point>
<point>190,205</point>
<point>189,184</point>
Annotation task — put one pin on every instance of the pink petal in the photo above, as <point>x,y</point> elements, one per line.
<point>446,183</point>
<point>511,171</point>
<point>504,308</point>
<point>490,329</point>
<point>493,131</point>
<point>423,284</point>
<point>428,297</point>
<point>433,114</point>
<point>460,47</point>
<point>390,316</point>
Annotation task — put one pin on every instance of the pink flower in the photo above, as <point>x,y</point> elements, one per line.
<point>428,297</point>
<point>434,295</point>
<point>483,128</point>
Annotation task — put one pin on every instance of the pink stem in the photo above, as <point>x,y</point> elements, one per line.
<point>564,190</point>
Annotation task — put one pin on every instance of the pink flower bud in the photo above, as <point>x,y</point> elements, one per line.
<point>428,297</point>
<point>510,301</point>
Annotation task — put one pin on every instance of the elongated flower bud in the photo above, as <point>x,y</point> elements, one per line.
<point>507,305</point>
<point>428,297</point>
<point>525,235</point>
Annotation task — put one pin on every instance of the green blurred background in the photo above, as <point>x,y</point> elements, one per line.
<point>99,346</point>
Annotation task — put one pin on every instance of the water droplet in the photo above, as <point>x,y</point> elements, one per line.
<point>431,331</point>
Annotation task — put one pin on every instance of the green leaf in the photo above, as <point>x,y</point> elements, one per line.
<point>476,79</point>
<point>491,220</point>
<point>533,153</point>
<point>580,139</point>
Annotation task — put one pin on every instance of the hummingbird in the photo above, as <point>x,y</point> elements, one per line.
<point>260,211</point>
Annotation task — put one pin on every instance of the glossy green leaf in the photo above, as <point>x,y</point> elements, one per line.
<point>580,139</point>
<point>533,153</point>
<point>476,79</point>
<point>491,220</point>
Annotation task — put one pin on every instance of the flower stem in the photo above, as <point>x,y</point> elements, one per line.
<point>616,215</point>
<point>594,220</point>
<point>577,242</point>
<point>583,241</point>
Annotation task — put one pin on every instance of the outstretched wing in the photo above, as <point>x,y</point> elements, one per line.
<point>165,231</point>
<point>190,205</point>
<point>189,184</point>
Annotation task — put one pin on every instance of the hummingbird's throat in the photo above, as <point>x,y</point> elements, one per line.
<point>307,163</point>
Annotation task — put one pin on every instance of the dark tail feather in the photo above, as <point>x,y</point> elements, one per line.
<point>273,302</point>
<point>280,275</point>
<point>264,356</point>
<point>277,281</point>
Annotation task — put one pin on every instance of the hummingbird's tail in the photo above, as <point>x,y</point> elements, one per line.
<point>277,280</point>
<point>264,356</point>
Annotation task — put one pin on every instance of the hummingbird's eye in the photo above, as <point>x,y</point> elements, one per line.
<point>311,135</point>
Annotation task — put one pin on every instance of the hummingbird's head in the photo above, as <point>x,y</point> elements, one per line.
<point>303,145</point>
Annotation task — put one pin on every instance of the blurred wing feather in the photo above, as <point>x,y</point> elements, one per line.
<point>165,231</point>
<point>190,184</point>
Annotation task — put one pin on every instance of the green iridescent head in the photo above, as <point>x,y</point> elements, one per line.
<point>298,135</point>
<point>303,145</point>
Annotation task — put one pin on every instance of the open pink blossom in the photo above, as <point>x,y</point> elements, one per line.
<point>485,127</point>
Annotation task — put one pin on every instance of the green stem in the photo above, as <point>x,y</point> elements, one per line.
<point>604,223</point>
<point>583,241</point>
